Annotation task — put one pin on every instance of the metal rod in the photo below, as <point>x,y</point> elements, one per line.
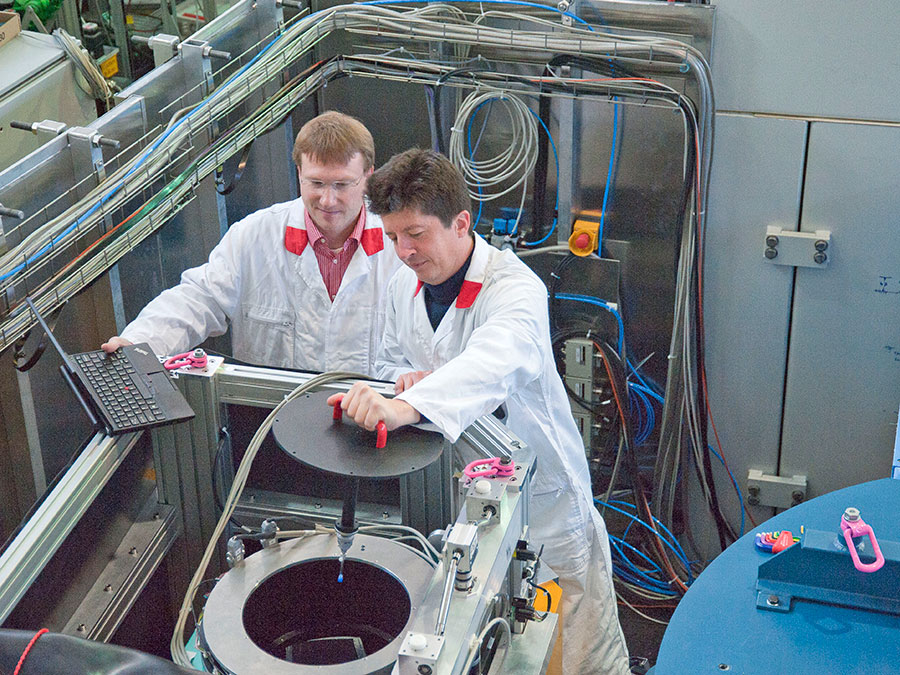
<point>448,592</point>
<point>348,514</point>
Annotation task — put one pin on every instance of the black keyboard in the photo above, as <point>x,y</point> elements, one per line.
<point>120,390</point>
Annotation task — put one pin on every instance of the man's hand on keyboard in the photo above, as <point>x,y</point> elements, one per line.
<point>114,343</point>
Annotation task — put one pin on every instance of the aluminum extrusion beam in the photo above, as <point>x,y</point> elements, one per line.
<point>46,530</point>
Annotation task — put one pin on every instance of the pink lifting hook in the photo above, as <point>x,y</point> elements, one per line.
<point>852,525</point>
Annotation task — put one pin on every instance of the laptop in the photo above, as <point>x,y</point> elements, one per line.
<point>125,391</point>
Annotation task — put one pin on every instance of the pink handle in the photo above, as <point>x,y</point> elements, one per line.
<point>186,359</point>
<point>493,467</point>
<point>858,528</point>
<point>380,428</point>
<point>489,469</point>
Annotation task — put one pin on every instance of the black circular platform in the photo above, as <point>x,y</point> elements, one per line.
<point>304,429</point>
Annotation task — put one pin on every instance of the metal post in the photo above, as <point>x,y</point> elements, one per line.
<point>85,146</point>
<point>117,16</point>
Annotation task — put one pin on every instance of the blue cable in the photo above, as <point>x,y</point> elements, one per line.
<point>617,542</point>
<point>489,2</point>
<point>638,578</point>
<point>649,389</point>
<point>679,552</point>
<point>107,196</point>
<point>609,174</point>
<point>597,302</point>
<point>736,488</point>
<point>104,198</point>
<point>648,392</point>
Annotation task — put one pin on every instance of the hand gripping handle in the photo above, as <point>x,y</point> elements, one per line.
<point>859,528</point>
<point>380,428</point>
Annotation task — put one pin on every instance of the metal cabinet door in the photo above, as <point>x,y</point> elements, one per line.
<point>843,377</point>
<point>756,177</point>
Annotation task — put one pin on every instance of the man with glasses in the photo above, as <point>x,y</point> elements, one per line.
<point>302,284</point>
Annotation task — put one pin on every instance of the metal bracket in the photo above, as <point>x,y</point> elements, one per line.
<point>30,17</point>
<point>485,494</point>
<point>797,249</point>
<point>778,491</point>
<point>419,652</point>
<point>164,47</point>
<point>820,569</point>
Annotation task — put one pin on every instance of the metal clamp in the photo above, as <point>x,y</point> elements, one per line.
<point>44,127</point>
<point>163,46</point>
<point>93,137</point>
<point>797,249</point>
<point>206,50</point>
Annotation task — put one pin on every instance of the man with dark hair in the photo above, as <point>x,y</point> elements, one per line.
<point>302,284</point>
<point>467,330</point>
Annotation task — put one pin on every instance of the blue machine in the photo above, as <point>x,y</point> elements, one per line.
<point>806,609</point>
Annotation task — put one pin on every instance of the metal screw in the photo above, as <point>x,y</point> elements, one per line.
<point>318,505</point>
<point>132,551</point>
<point>724,666</point>
<point>773,601</point>
<point>81,628</point>
<point>156,516</point>
<point>771,241</point>
<point>424,669</point>
<point>821,245</point>
<point>385,515</point>
<point>797,496</point>
<point>515,444</point>
<point>851,514</point>
<point>820,257</point>
<point>771,253</point>
<point>753,495</point>
<point>512,480</point>
<point>107,588</point>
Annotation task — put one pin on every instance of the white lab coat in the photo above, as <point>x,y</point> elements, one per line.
<point>264,280</point>
<point>493,347</point>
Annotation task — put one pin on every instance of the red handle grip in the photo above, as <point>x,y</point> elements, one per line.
<point>380,428</point>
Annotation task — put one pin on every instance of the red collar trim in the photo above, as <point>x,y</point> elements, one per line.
<point>372,240</point>
<point>468,293</point>
<point>295,239</point>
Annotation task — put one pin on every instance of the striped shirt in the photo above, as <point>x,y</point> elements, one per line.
<point>333,264</point>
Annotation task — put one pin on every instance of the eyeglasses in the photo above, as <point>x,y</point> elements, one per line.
<point>339,187</point>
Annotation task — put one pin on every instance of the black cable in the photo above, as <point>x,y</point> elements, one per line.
<point>539,189</point>
<point>555,278</point>
<point>479,66</point>
<point>592,64</point>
